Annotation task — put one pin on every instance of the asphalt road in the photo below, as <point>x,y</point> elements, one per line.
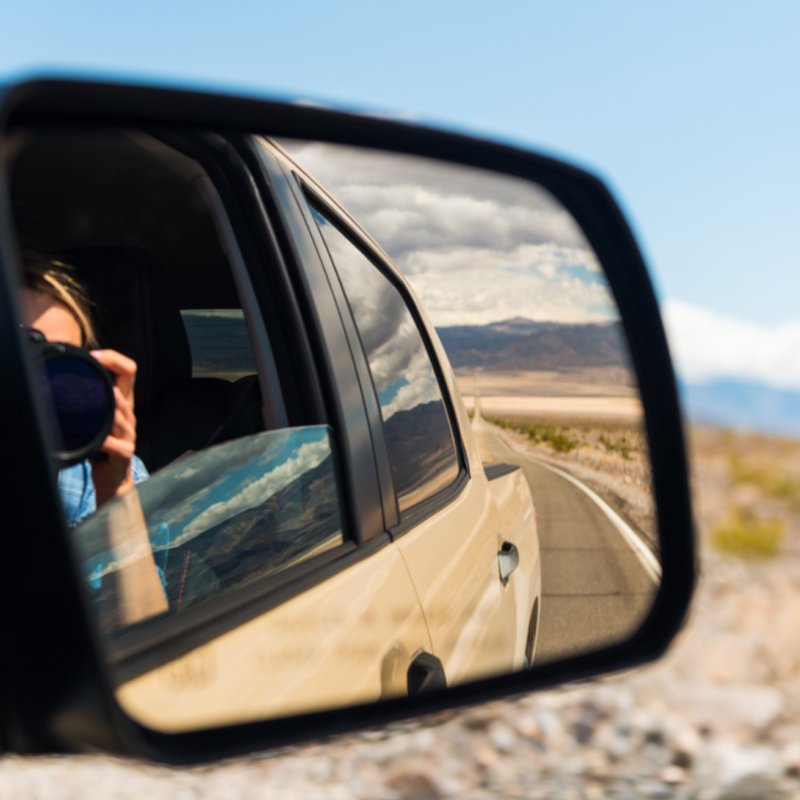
<point>595,586</point>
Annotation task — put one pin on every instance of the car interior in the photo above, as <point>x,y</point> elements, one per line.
<point>140,222</point>
<point>129,214</point>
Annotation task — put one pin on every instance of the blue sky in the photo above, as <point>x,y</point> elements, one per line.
<point>690,110</point>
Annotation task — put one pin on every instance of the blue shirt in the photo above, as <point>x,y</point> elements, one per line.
<point>78,498</point>
<point>77,489</point>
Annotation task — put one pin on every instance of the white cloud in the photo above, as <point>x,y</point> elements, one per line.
<point>405,218</point>
<point>253,494</point>
<point>338,168</point>
<point>478,247</point>
<point>421,388</point>
<point>540,282</point>
<point>707,345</point>
<point>546,259</point>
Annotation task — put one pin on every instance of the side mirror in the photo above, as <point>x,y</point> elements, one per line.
<point>407,408</point>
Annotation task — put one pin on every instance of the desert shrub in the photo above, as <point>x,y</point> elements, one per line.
<point>561,443</point>
<point>618,444</point>
<point>505,424</point>
<point>746,535</point>
<point>549,435</point>
<point>541,433</point>
<point>772,482</point>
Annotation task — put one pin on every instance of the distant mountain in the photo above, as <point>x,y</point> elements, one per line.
<point>522,344</point>
<point>744,405</point>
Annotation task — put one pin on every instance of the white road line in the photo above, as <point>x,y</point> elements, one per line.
<point>642,551</point>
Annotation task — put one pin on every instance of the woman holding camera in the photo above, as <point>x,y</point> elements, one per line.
<point>54,303</point>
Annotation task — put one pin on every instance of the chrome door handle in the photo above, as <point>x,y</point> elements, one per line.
<point>508,561</point>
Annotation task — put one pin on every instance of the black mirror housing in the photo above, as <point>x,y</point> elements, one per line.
<point>59,694</point>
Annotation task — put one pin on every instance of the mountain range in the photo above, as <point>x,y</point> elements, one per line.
<point>523,344</point>
<point>743,405</point>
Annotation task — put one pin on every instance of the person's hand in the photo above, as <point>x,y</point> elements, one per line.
<point>111,474</point>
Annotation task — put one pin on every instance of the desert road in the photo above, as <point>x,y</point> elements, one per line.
<point>597,581</point>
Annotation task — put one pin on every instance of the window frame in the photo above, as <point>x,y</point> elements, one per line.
<point>332,333</point>
<point>154,642</point>
<point>314,195</point>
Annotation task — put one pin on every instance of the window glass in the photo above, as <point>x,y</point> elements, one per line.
<point>419,438</point>
<point>219,343</point>
<point>225,517</point>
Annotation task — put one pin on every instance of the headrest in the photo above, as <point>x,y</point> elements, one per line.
<point>135,313</point>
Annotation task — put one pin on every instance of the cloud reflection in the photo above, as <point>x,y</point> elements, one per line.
<point>477,247</point>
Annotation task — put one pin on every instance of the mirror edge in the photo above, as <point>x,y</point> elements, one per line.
<point>85,713</point>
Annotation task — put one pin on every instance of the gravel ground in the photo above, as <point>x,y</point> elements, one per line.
<point>718,717</point>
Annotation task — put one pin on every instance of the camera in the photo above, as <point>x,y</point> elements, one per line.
<point>80,394</point>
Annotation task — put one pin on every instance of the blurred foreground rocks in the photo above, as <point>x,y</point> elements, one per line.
<point>718,718</point>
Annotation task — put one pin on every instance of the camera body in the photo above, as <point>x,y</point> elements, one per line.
<point>80,394</point>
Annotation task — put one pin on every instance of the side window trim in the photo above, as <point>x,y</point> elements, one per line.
<point>391,511</point>
<point>337,359</point>
<point>273,409</point>
<point>221,189</point>
<point>275,285</point>
<point>348,229</point>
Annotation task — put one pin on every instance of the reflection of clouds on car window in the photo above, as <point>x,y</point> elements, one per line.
<point>253,487</point>
<point>477,247</point>
<point>255,468</point>
<point>419,439</point>
<point>399,364</point>
<point>240,491</point>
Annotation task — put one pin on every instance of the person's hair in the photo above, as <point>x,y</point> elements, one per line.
<point>56,279</point>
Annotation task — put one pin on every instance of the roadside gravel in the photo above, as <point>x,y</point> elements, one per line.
<point>718,719</point>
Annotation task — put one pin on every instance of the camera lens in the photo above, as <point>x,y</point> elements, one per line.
<point>80,400</point>
<point>80,394</point>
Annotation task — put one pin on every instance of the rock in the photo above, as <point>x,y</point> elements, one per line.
<point>672,774</point>
<point>722,707</point>
<point>653,789</point>
<point>655,736</point>
<point>478,721</point>
<point>583,730</point>
<point>486,757</point>
<point>751,787</point>
<point>615,743</point>
<point>423,740</point>
<point>529,728</point>
<point>791,758</point>
<point>414,785</point>
<point>728,764</point>
<point>548,721</point>
<point>502,737</point>
<point>595,764</point>
<point>682,759</point>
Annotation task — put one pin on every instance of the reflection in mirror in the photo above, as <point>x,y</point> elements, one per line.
<point>234,582</point>
<point>524,313</point>
<point>221,518</point>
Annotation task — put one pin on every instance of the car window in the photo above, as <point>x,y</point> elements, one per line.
<point>419,437</point>
<point>226,496</point>
<point>219,343</point>
<point>228,517</point>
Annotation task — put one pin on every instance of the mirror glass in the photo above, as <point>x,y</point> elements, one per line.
<point>452,323</point>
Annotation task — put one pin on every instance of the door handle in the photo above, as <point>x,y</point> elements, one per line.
<point>508,561</point>
<point>425,674</point>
